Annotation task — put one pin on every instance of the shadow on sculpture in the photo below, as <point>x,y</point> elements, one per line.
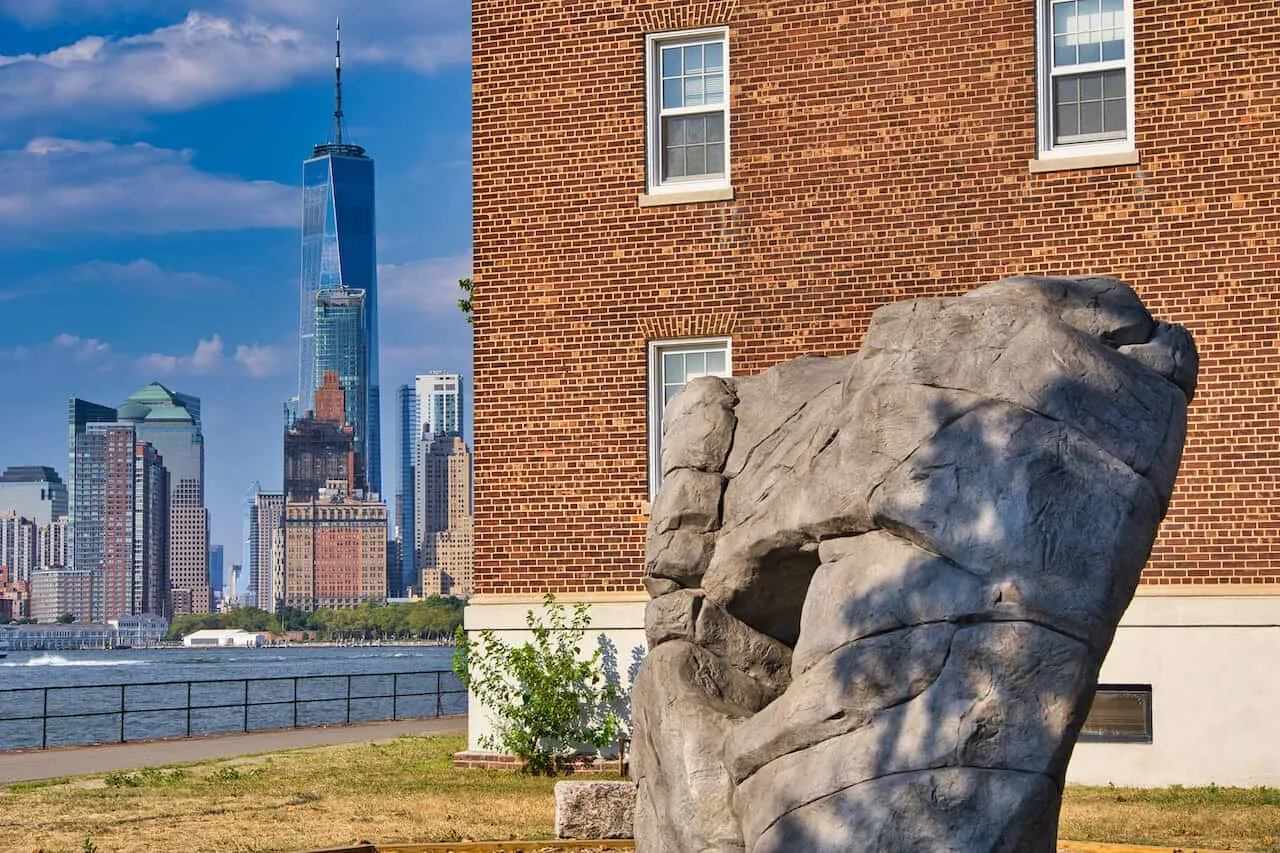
<point>883,584</point>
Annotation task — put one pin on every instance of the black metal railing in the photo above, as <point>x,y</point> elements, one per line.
<point>42,717</point>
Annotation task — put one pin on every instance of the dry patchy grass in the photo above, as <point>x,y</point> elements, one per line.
<point>1185,818</point>
<point>402,791</point>
<point>406,791</point>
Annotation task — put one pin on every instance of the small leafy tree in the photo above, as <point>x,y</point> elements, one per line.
<point>545,699</point>
<point>464,304</point>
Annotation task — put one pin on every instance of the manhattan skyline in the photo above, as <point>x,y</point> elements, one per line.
<point>153,217</point>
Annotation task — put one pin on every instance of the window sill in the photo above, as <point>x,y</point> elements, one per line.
<point>1083,161</point>
<point>662,199</point>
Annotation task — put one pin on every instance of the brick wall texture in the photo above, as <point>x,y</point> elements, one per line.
<point>879,152</point>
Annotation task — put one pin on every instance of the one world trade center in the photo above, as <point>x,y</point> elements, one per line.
<point>339,267</point>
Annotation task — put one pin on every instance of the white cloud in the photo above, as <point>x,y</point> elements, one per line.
<point>142,274</point>
<point>206,358</point>
<point>261,360</point>
<point>232,48</point>
<point>429,285</point>
<point>57,184</point>
<point>84,349</point>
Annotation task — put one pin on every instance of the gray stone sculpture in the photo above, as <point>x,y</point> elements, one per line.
<point>882,585</point>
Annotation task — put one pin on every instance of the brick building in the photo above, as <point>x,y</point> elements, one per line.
<point>666,189</point>
<point>334,550</point>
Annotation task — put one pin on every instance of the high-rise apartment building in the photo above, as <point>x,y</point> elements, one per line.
<point>431,406</point>
<point>217,578</point>
<point>51,544</point>
<point>335,550</point>
<point>339,254</point>
<point>57,592</point>
<point>444,522</point>
<point>262,520</point>
<point>19,546</point>
<point>120,521</point>
<point>33,491</point>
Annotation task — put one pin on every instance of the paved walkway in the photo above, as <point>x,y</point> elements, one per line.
<point>30,765</point>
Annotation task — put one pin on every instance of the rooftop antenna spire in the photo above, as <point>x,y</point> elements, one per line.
<point>337,81</point>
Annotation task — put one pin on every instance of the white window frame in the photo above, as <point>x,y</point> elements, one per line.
<point>653,44</point>
<point>1047,148</point>
<point>657,399</point>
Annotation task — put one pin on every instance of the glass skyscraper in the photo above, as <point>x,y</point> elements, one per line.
<point>339,253</point>
<point>341,346</point>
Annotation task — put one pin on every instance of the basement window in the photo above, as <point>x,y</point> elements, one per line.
<point>1121,713</point>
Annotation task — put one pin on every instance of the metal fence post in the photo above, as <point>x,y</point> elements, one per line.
<point>439,697</point>
<point>295,701</point>
<point>44,721</point>
<point>122,713</point>
<point>246,704</point>
<point>348,700</point>
<point>188,709</point>
<point>395,694</point>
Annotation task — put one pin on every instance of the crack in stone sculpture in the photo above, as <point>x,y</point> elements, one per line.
<point>882,584</point>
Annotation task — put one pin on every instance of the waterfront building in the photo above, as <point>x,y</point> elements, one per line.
<point>224,638</point>
<point>406,461</point>
<point>55,592</point>
<point>121,517</point>
<point>139,632</point>
<point>33,491</point>
<point>265,514</point>
<point>51,544</point>
<point>81,413</point>
<point>339,253</point>
<point>335,549</point>
<point>19,545</point>
<point>858,154</point>
<point>444,515</point>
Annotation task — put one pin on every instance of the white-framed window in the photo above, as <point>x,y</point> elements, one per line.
<point>1085,86</point>
<point>672,363</point>
<point>687,93</point>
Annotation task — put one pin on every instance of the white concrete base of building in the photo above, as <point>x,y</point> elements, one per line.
<point>1211,660</point>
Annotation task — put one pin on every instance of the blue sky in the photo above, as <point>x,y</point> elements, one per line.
<point>150,171</point>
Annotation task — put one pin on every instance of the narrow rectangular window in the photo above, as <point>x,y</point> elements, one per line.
<point>1121,713</point>
<point>1085,88</point>
<point>671,365</point>
<point>688,97</point>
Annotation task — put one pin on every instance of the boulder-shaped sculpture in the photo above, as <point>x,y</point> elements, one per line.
<point>883,584</point>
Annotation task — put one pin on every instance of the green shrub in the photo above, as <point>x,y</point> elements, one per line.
<point>547,702</point>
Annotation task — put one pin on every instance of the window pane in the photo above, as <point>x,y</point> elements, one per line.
<point>713,56</point>
<point>675,163</point>
<point>695,128</point>
<point>693,96</point>
<point>693,59</point>
<point>1062,14</point>
<point>1067,123</point>
<point>1091,52</point>
<point>714,88</point>
<point>695,364</point>
<point>673,131</point>
<point>715,159</point>
<point>1114,115</point>
<point>695,160</point>
<point>715,363</point>
<point>671,62</point>
<point>673,368</point>
<point>1090,117</point>
<point>1064,52</point>
<point>1113,84</point>
<point>671,94</point>
<point>1066,89</point>
<point>715,127</point>
<point>1090,87</point>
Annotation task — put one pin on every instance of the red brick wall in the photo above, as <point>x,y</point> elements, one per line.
<point>879,152</point>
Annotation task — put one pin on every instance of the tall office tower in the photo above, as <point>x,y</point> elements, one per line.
<point>320,447</point>
<point>263,520</point>
<point>217,579</point>
<point>170,422</point>
<point>339,253</point>
<point>51,545</point>
<point>444,522</point>
<point>80,413</point>
<point>248,540</point>
<point>406,459</point>
<point>120,520</point>
<point>439,402</point>
<point>19,546</point>
<point>335,550</point>
<point>341,348</point>
<point>33,491</point>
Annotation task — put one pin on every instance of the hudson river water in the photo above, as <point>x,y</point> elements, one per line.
<point>85,690</point>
